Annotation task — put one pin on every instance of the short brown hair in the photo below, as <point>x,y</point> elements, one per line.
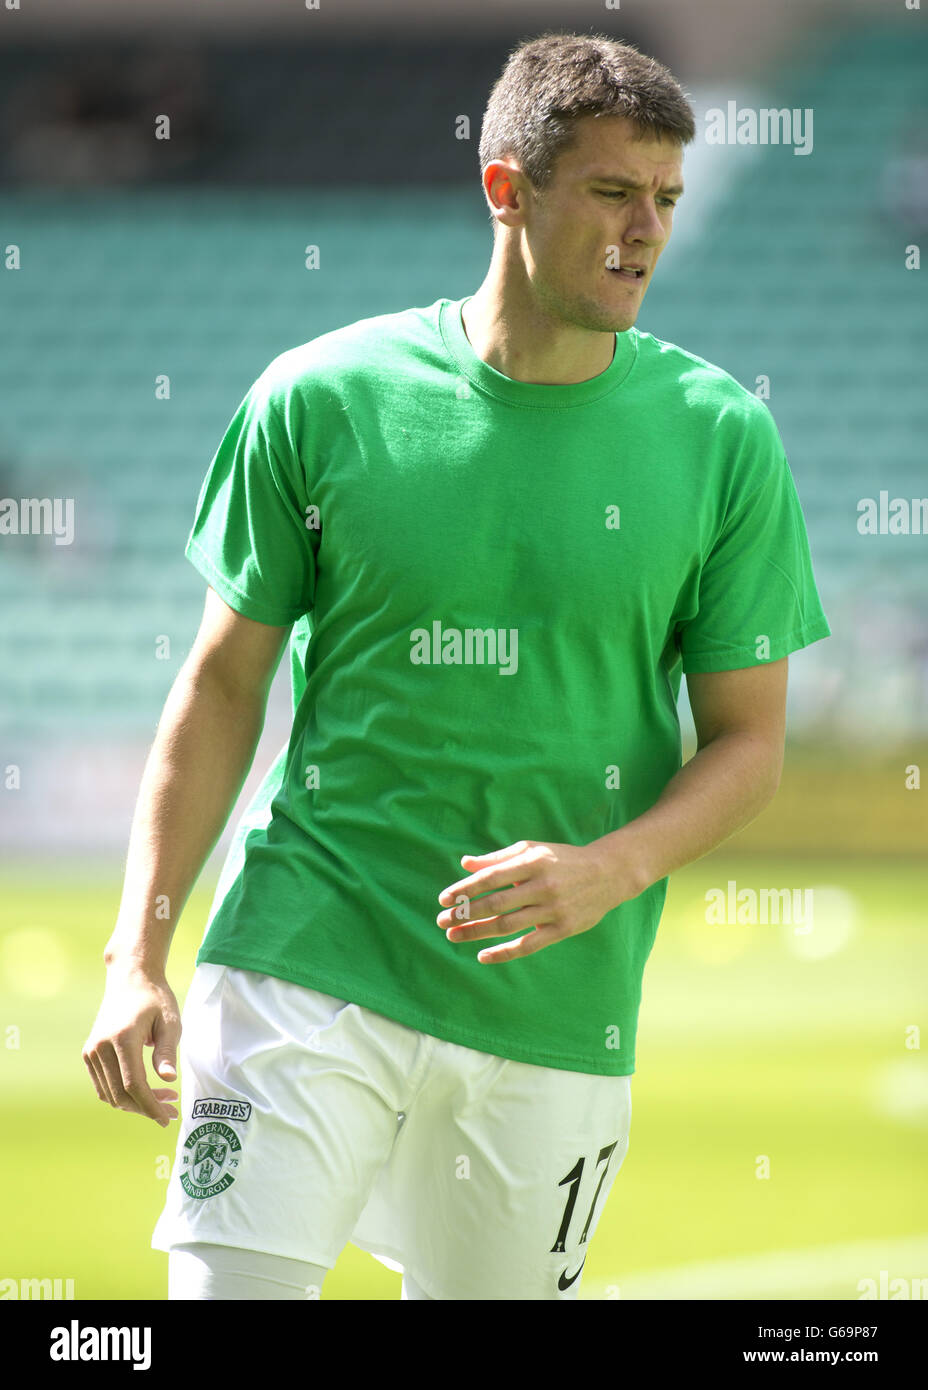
<point>550,81</point>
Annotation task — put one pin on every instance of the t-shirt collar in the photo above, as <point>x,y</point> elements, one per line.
<point>526,393</point>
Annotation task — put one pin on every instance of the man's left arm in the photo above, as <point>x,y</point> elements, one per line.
<point>552,891</point>
<point>740,719</point>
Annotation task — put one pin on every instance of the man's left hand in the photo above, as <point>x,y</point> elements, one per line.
<point>556,891</point>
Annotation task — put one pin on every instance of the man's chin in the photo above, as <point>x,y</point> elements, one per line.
<point>621,325</point>
<point>618,320</point>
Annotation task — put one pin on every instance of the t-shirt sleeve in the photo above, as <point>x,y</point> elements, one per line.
<point>250,539</point>
<point>757,597</point>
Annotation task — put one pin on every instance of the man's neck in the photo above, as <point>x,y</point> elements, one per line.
<point>512,334</point>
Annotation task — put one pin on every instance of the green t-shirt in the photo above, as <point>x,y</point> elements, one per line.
<point>495,587</point>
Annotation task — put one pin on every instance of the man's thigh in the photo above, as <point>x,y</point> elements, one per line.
<point>288,1111</point>
<point>500,1175</point>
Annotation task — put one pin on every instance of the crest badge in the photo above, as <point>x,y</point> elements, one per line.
<point>211,1155</point>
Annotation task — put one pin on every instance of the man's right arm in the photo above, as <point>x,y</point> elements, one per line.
<point>203,749</point>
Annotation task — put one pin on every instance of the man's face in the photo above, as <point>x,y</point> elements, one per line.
<point>609,189</point>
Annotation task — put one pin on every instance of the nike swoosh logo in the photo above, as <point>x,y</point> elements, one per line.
<point>563,1283</point>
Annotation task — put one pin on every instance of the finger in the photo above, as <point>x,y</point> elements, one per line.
<point>496,855</point>
<point>482,882</point>
<point>108,1064</point>
<point>485,926</point>
<point>132,1067</point>
<point>502,925</point>
<point>103,1078</point>
<point>112,1068</point>
<point>97,1083</point>
<point>525,946</point>
<point>163,1097</point>
<point>484,879</point>
<point>492,904</point>
<point>166,1031</point>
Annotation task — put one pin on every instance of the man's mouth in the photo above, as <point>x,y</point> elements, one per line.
<point>628,272</point>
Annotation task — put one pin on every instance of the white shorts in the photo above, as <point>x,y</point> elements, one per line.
<point>308,1122</point>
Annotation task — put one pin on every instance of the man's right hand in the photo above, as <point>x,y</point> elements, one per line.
<point>138,1010</point>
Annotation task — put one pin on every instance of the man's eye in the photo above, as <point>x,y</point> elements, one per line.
<point>620,193</point>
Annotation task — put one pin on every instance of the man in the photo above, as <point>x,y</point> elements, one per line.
<point>496,532</point>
